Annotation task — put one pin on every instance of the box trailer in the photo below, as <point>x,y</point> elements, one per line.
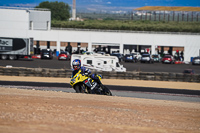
<point>15,48</point>
<point>99,62</point>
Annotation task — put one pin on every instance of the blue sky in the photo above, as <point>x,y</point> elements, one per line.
<point>104,5</point>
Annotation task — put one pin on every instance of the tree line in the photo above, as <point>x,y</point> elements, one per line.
<point>157,26</point>
<point>59,10</point>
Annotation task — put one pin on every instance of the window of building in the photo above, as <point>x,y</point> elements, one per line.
<point>105,62</point>
<point>117,64</point>
<point>47,25</point>
<point>89,61</point>
<point>31,25</point>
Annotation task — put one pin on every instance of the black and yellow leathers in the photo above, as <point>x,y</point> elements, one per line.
<point>83,83</point>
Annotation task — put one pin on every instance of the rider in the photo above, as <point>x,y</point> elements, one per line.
<point>77,66</point>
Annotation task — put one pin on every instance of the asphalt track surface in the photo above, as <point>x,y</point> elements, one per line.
<point>122,91</point>
<point>144,67</point>
<point>111,87</point>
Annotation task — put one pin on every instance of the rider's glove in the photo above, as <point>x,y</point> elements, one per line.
<point>86,71</point>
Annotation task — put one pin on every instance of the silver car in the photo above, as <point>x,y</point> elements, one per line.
<point>196,60</point>
<point>146,58</point>
<point>156,58</point>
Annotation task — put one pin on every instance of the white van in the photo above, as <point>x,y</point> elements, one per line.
<point>99,62</point>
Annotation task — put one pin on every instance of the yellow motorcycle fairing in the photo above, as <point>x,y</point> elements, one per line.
<point>78,78</point>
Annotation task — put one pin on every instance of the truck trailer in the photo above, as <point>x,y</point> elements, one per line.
<point>16,48</point>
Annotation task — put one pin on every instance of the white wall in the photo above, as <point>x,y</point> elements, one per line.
<point>40,19</point>
<point>14,23</point>
<point>19,19</point>
<point>14,19</point>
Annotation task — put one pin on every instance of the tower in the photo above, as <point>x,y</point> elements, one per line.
<point>74,10</point>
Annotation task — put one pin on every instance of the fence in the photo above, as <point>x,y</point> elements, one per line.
<point>166,16</point>
<point>66,73</point>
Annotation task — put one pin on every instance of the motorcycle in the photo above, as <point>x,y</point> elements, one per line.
<point>83,83</point>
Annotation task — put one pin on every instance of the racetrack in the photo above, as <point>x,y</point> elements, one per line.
<point>161,90</point>
<point>144,67</point>
<point>33,110</point>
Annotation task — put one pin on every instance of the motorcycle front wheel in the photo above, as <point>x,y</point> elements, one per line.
<point>79,89</point>
<point>107,91</point>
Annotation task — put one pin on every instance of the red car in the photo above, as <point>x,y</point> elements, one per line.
<point>64,56</point>
<point>168,59</point>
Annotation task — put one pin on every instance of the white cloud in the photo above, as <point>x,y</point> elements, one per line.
<point>91,9</point>
<point>23,5</point>
<point>109,2</point>
<point>97,1</point>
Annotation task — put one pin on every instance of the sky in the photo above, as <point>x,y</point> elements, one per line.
<point>104,5</point>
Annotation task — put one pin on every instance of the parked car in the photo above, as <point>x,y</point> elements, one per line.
<point>168,59</point>
<point>146,58</point>
<point>118,55</point>
<point>156,58</point>
<point>137,55</point>
<point>196,60</point>
<point>89,53</point>
<point>130,58</point>
<point>64,56</point>
<point>101,52</point>
<point>188,71</point>
<point>46,54</point>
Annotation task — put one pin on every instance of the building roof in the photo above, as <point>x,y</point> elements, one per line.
<point>168,8</point>
<point>23,8</point>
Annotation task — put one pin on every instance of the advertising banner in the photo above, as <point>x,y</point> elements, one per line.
<point>6,44</point>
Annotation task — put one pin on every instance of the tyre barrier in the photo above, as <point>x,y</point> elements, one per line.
<point>132,75</point>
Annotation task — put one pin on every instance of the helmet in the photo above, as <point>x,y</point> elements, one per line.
<point>76,64</point>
